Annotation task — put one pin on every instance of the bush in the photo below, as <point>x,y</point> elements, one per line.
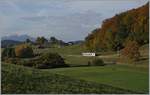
<point>52,60</point>
<point>8,53</point>
<point>29,63</point>
<point>24,51</point>
<point>49,60</point>
<point>12,60</point>
<point>98,62</point>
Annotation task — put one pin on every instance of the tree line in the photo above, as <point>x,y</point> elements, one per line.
<point>115,32</point>
<point>121,31</point>
<point>42,40</point>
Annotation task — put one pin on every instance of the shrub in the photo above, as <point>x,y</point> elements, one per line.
<point>12,60</point>
<point>23,51</point>
<point>131,51</point>
<point>49,60</point>
<point>98,62</point>
<point>29,63</point>
<point>8,53</point>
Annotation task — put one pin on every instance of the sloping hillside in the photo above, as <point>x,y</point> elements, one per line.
<point>114,32</point>
<point>17,79</point>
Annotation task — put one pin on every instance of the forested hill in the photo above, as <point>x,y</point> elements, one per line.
<point>118,30</point>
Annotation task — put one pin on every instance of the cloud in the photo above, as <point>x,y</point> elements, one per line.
<point>67,20</point>
<point>63,26</point>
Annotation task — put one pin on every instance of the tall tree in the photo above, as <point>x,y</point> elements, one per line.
<point>41,40</point>
<point>28,41</point>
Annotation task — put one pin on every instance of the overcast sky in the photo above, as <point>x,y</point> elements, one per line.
<point>65,19</point>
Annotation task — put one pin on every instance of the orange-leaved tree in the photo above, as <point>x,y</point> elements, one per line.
<point>23,51</point>
<point>131,51</point>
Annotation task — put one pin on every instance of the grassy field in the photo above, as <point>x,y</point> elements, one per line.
<point>134,77</point>
<point>127,77</point>
<point>18,80</point>
<point>122,75</point>
<point>72,55</point>
<point>66,50</point>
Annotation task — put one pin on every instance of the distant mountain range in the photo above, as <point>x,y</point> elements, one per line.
<point>22,38</point>
<point>8,43</point>
<point>12,40</point>
<point>18,38</point>
<point>75,42</point>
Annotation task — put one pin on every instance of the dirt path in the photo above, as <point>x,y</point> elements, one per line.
<point>109,56</point>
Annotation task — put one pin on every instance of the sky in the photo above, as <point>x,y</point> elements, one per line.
<point>67,20</point>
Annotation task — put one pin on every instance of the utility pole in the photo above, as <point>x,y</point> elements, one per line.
<point>118,52</point>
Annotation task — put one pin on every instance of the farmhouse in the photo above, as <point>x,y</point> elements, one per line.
<point>88,54</point>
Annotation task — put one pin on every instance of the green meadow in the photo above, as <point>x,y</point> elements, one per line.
<point>21,80</point>
<point>132,77</point>
<point>127,77</point>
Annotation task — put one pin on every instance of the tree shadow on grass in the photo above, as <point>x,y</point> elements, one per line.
<point>144,58</point>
